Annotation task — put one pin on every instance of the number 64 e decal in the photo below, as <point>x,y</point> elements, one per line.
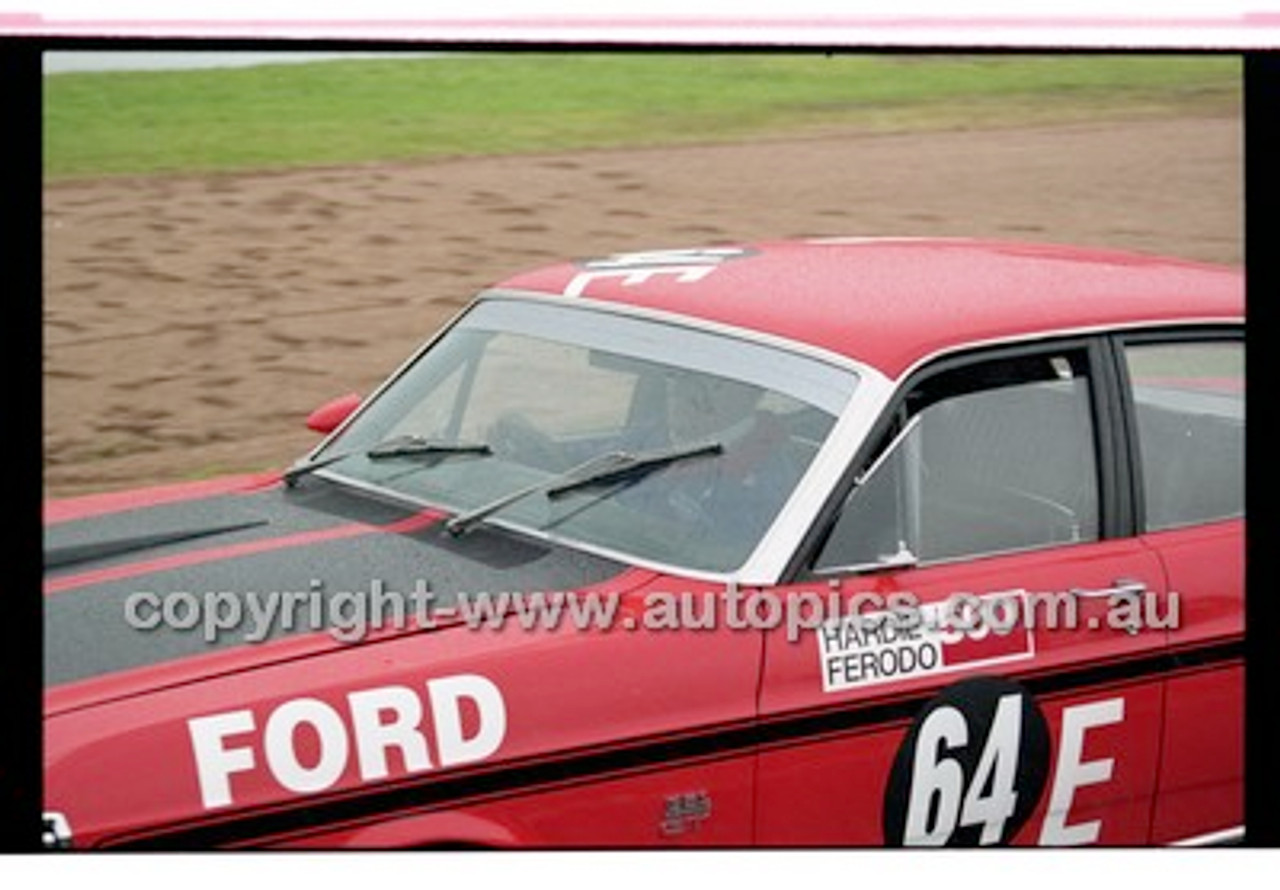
<point>971,769</point>
<point>974,763</point>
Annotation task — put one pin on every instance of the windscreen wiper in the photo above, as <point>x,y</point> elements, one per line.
<point>631,466</point>
<point>604,469</point>
<point>397,446</point>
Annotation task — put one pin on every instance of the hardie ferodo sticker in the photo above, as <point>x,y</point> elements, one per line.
<point>863,649</point>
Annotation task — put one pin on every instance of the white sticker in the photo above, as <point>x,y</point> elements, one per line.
<point>880,647</point>
<point>1073,772</point>
<point>688,266</point>
<point>229,747</point>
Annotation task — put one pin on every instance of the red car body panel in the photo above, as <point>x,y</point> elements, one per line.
<point>1122,804</point>
<point>911,298</point>
<point>84,506</point>
<point>673,685</point>
<point>827,793</point>
<point>1202,777</point>
<point>721,737</point>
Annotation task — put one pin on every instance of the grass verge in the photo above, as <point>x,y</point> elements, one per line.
<point>358,111</point>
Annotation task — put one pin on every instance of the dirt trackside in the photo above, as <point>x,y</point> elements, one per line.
<point>191,323</point>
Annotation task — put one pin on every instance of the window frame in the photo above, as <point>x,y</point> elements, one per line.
<point>1116,344</point>
<point>1111,443</point>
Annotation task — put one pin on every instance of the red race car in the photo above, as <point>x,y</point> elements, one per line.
<point>829,542</point>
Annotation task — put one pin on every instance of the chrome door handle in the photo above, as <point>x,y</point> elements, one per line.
<point>1120,587</point>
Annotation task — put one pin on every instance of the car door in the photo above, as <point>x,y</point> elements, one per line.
<point>1002,493</point>
<point>1185,392</point>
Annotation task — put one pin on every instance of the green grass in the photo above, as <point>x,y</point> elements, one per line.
<point>412,108</point>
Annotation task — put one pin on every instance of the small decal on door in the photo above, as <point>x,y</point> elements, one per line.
<point>684,813</point>
<point>967,632</point>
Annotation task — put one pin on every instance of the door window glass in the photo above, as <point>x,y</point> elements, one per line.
<point>991,458</point>
<point>1189,407</point>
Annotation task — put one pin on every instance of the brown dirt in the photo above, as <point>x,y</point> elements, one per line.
<point>191,323</point>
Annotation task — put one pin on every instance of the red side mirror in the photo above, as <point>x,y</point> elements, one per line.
<point>328,416</point>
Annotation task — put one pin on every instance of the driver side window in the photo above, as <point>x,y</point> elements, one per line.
<point>994,457</point>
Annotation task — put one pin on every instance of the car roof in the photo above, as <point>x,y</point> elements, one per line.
<point>890,302</point>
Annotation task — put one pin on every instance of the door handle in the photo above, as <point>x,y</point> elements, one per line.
<point>1120,587</point>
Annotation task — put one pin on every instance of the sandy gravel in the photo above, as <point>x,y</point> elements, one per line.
<point>191,323</point>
